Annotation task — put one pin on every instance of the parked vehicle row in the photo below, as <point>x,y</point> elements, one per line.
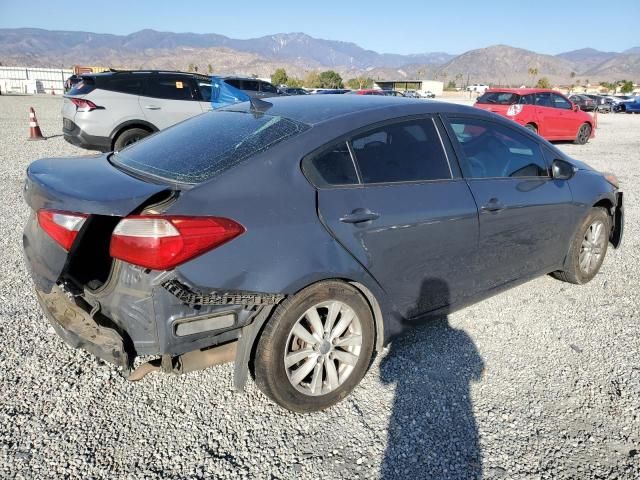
<point>171,248</point>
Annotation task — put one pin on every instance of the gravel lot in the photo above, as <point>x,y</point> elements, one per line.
<point>542,381</point>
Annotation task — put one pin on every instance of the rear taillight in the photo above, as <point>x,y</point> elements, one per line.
<point>164,242</point>
<point>83,105</point>
<point>514,110</point>
<point>63,227</point>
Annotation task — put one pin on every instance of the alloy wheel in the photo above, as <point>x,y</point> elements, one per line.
<point>323,348</point>
<point>592,248</point>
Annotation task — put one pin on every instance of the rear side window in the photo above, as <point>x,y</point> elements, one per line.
<point>84,86</point>
<point>251,85</point>
<point>170,88</point>
<point>331,167</point>
<point>267,87</point>
<point>499,98</point>
<point>124,85</point>
<point>495,151</point>
<point>196,150</point>
<point>401,152</point>
<point>544,100</point>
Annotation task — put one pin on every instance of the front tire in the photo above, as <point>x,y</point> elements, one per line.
<point>588,248</point>
<point>583,135</point>
<point>316,348</point>
<point>532,127</point>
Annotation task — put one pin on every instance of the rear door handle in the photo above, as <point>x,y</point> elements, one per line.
<point>360,215</point>
<point>493,205</point>
<point>152,107</point>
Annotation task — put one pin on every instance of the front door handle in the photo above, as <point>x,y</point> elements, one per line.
<point>493,205</point>
<point>359,215</point>
<point>152,107</point>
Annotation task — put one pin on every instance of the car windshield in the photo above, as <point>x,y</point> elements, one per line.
<point>499,98</point>
<point>203,147</point>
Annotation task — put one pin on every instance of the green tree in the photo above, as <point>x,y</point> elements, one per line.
<point>312,80</point>
<point>190,67</point>
<point>279,77</point>
<point>573,75</point>
<point>210,68</point>
<point>533,72</point>
<point>330,79</point>
<point>294,82</point>
<point>195,68</point>
<point>451,85</point>
<point>543,82</point>
<point>359,83</point>
<point>626,86</point>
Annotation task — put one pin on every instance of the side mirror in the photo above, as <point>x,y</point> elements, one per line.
<point>575,107</point>
<point>561,170</point>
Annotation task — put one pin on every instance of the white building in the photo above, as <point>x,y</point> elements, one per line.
<point>421,86</point>
<point>33,80</point>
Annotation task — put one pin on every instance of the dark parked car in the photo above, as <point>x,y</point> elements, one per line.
<point>603,105</point>
<point>293,91</point>
<point>585,103</point>
<point>254,87</point>
<point>306,236</point>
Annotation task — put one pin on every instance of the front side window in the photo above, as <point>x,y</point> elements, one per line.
<point>544,100</point>
<point>170,88</point>
<point>401,152</point>
<point>560,102</point>
<point>332,167</point>
<point>492,150</point>
<point>205,91</point>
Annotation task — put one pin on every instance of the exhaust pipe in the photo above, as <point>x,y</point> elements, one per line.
<point>187,362</point>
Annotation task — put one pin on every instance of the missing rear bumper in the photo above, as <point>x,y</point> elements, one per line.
<point>78,328</point>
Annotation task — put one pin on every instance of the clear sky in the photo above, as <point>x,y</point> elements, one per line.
<point>406,26</point>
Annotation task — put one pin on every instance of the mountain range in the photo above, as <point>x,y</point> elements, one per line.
<point>300,53</point>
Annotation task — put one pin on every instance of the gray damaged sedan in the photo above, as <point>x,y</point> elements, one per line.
<point>297,236</point>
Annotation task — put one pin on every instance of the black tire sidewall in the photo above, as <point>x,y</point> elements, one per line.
<point>271,375</point>
<point>119,144</point>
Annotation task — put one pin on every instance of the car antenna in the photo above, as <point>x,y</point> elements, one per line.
<point>259,106</point>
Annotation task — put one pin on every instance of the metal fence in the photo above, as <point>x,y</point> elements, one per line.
<point>28,80</point>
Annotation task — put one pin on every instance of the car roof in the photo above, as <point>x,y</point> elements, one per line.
<point>315,109</point>
<point>115,73</point>
<point>522,91</point>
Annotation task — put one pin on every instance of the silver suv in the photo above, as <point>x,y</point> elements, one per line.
<point>108,111</point>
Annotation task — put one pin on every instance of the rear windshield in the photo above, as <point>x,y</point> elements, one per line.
<point>84,86</point>
<point>202,147</point>
<point>499,98</point>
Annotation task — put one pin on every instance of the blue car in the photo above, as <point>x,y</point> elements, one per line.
<point>297,236</point>
<point>631,106</point>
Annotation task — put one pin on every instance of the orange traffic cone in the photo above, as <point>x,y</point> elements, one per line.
<point>34,129</point>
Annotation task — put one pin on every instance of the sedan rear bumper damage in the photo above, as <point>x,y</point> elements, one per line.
<point>80,330</point>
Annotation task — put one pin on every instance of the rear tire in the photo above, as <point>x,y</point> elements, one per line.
<point>307,369</point>
<point>588,248</point>
<point>129,137</point>
<point>583,135</point>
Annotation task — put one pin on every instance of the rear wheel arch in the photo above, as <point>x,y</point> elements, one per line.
<point>364,291</point>
<point>149,127</point>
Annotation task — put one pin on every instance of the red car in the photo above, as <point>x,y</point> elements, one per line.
<point>546,112</point>
<point>369,91</point>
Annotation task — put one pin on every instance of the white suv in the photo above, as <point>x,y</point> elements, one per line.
<point>108,111</point>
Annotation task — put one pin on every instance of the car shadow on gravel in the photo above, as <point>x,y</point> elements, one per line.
<point>432,431</point>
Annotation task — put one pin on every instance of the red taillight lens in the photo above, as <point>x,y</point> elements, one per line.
<point>63,227</point>
<point>83,105</point>
<point>164,242</point>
